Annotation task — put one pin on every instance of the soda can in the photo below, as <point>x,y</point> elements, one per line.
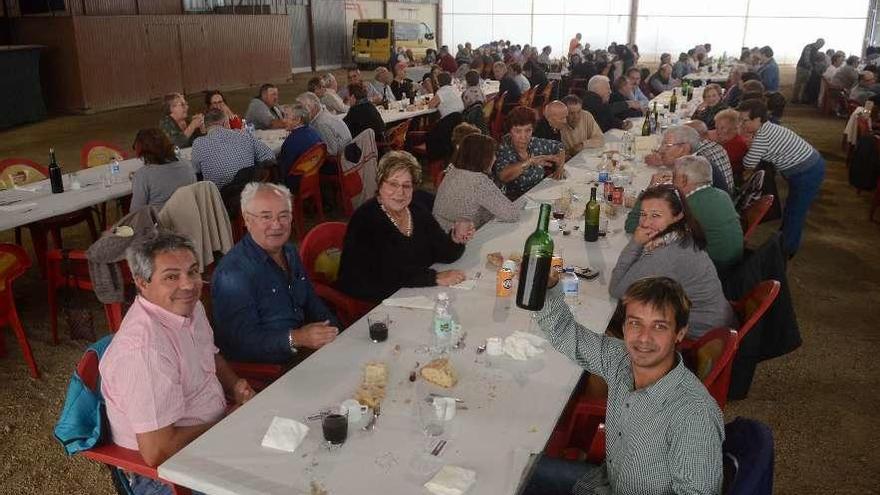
<point>556,263</point>
<point>504,282</point>
<point>608,191</point>
<point>617,196</point>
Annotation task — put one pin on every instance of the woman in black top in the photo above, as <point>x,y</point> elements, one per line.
<point>391,242</point>
<point>363,114</point>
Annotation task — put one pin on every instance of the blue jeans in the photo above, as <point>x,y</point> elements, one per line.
<point>141,485</point>
<point>802,189</point>
<point>555,476</point>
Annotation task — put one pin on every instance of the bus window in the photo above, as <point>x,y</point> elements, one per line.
<point>372,30</point>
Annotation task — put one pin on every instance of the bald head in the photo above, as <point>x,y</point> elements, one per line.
<point>700,127</point>
<point>556,113</point>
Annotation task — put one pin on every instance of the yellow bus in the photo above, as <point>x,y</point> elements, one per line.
<point>374,40</point>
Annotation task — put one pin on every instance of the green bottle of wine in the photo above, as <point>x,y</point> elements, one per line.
<point>646,125</point>
<point>656,120</point>
<point>673,102</point>
<point>55,176</point>
<point>591,218</point>
<point>535,269</point>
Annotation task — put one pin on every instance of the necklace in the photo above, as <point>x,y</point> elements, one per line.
<point>405,231</point>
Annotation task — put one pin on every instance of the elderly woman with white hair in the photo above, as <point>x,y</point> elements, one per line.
<point>332,130</point>
<point>265,308</point>
<point>712,208</point>
<point>597,101</point>
<point>331,99</point>
<point>391,242</point>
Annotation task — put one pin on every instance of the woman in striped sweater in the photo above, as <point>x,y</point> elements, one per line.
<point>801,165</point>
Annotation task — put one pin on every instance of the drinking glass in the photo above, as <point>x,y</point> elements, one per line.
<point>335,429</point>
<point>378,324</point>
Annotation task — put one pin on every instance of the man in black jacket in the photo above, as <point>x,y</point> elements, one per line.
<point>596,101</point>
<point>506,85</point>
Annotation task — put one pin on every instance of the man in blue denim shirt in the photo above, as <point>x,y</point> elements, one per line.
<point>265,307</point>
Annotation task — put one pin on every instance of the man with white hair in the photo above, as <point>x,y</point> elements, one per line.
<point>596,101</point>
<point>712,208</point>
<point>265,307</point>
<point>722,171</point>
<point>332,130</point>
<point>331,99</point>
<point>162,378</point>
<point>679,141</point>
<point>302,137</point>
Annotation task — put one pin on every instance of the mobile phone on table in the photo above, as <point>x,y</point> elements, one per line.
<point>586,273</point>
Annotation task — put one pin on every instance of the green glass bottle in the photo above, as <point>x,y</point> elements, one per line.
<point>55,178</point>
<point>591,218</point>
<point>535,269</point>
<point>656,121</point>
<point>646,125</point>
<point>673,102</point>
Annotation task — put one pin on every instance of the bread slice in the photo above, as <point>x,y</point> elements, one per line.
<point>440,373</point>
<point>375,374</point>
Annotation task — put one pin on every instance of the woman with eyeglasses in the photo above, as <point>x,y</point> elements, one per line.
<point>215,99</point>
<point>392,242</point>
<point>174,123</point>
<point>669,242</point>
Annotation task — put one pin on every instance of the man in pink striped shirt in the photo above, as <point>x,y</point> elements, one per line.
<point>162,378</point>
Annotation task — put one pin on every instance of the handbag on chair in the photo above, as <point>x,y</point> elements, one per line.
<point>80,321</point>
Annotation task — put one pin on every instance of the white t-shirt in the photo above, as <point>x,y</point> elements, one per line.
<point>450,101</point>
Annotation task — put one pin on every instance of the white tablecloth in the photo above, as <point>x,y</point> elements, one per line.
<point>707,77</point>
<point>513,406</point>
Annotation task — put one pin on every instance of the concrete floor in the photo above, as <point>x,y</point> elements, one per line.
<point>821,400</point>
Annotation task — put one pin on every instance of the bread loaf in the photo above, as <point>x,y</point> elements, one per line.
<point>440,373</point>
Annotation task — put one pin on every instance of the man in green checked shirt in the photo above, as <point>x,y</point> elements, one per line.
<point>664,431</point>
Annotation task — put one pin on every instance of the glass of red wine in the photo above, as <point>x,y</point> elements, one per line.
<point>559,211</point>
<point>335,429</point>
<point>378,323</point>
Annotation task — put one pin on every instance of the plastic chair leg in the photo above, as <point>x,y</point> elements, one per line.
<point>52,299</point>
<point>15,323</point>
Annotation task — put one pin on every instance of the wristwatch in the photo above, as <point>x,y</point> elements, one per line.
<point>291,343</point>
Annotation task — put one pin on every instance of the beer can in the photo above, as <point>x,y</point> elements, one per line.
<point>556,263</point>
<point>504,282</point>
<point>608,191</point>
<point>617,196</point>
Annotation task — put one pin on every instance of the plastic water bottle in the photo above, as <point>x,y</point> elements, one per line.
<point>570,286</point>
<point>114,172</point>
<point>442,324</point>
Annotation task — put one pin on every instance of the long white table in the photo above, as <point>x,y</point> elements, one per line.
<point>513,406</point>
<point>707,77</point>
<point>34,202</point>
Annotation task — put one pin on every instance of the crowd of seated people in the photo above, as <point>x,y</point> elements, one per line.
<point>685,233</point>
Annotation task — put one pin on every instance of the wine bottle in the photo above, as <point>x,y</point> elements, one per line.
<point>656,121</point>
<point>690,94</point>
<point>673,102</point>
<point>55,178</point>
<point>535,269</point>
<point>591,218</point>
<point>646,125</point>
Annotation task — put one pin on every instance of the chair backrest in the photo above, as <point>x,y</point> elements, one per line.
<point>19,171</point>
<point>309,162</point>
<point>753,215</point>
<point>497,123</point>
<point>711,359</point>
<point>750,445</point>
<point>752,307</point>
<point>489,107</point>
<point>87,369</point>
<point>96,153</point>
<point>396,137</point>
<point>527,97</point>
<point>750,192</point>
<point>320,249</point>
<point>14,261</point>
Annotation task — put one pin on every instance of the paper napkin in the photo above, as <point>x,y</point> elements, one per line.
<point>285,434</point>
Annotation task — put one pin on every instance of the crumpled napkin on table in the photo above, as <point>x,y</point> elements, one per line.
<point>451,480</point>
<point>416,302</point>
<point>522,346</point>
<point>469,284</point>
<point>285,434</point>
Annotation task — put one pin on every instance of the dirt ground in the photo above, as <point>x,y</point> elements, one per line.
<point>820,401</point>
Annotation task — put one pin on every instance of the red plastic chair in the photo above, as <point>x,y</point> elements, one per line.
<point>96,153</point>
<point>752,307</point>
<point>395,138</point>
<point>306,167</point>
<point>108,453</point>
<point>18,171</point>
<point>322,237</point>
<point>496,125</point>
<point>489,107</point>
<point>14,262</point>
<point>528,97</point>
<point>711,359</point>
<point>79,278</point>
<point>754,214</point>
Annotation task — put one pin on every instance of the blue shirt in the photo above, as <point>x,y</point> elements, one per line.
<point>221,153</point>
<point>256,304</point>
<point>300,139</point>
<point>769,73</point>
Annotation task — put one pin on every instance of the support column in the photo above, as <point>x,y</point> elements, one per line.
<point>438,24</point>
<point>310,21</point>
<point>633,21</point>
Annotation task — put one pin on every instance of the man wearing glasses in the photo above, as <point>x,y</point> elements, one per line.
<point>679,141</point>
<point>265,308</point>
